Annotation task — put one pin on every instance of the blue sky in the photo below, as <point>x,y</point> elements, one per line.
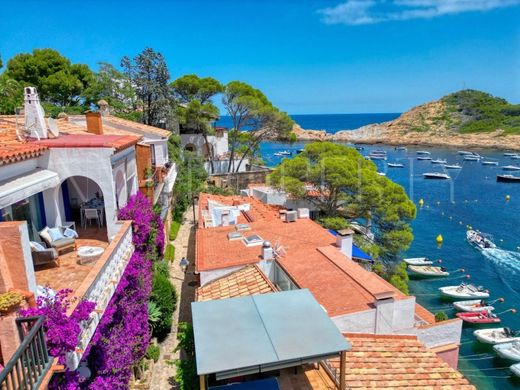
<point>337,56</point>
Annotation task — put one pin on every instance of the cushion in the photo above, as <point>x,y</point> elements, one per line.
<point>36,246</point>
<point>44,234</point>
<point>63,242</point>
<point>70,233</point>
<point>55,234</point>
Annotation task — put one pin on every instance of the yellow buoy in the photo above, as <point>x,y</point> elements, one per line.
<point>421,202</point>
<point>508,197</point>
<point>439,239</point>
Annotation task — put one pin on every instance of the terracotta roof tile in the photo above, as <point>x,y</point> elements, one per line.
<point>249,280</point>
<point>11,148</point>
<point>118,142</point>
<point>395,362</point>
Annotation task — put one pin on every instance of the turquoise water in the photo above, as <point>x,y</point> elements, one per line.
<point>472,197</point>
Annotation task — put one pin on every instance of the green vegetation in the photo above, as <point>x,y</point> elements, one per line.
<point>348,186</point>
<point>441,316</point>
<point>482,112</point>
<point>153,352</point>
<point>186,376</point>
<point>174,230</point>
<point>154,315</point>
<point>10,299</point>
<point>334,223</point>
<point>219,191</point>
<point>169,253</point>
<point>396,275</point>
<point>164,295</point>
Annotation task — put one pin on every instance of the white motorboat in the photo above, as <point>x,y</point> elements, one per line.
<point>439,161</point>
<point>436,175</point>
<point>427,271</point>
<point>381,173</point>
<point>395,165</point>
<point>423,152</point>
<point>464,153</point>
<point>516,157</point>
<point>510,154</point>
<point>515,369</point>
<point>400,148</point>
<point>496,335</point>
<point>377,157</point>
<point>464,291</point>
<point>285,153</point>
<point>472,157</point>
<point>508,179</point>
<point>453,166</point>
<point>489,162</point>
<point>509,351</point>
<point>479,240</point>
<point>473,305</point>
<point>279,154</point>
<point>418,261</point>
<point>511,168</point>
<point>424,158</point>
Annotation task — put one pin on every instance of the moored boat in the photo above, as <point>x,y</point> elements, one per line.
<point>377,157</point>
<point>418,261</point>
<point>509,351</point>
<point>427,271</point>
<point>473,305</point>
<point>464,291</point>
<point>472,157</point>
<point>453,166</point>
<point>480,240</point>
<point>439,161</point>
<point>496,335</point>
<point>400,148</point>
<point>487,162</point>
<point>516,157</point>
<point>423,152</point>
<point>424,158</point>
<point>480,317</point>
<point>436,175</point>
<point>464,152</point>
<point>515,369</point>
<point>511,168</point>
<point>509,154</point>
<point>395,165</point>
<point>508,179</point>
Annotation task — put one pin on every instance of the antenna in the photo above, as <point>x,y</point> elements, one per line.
<point>53,127</point>
<point>279,250</point>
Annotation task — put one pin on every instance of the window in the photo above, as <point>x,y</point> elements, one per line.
<point>281,280</point>
<point>30,210</point>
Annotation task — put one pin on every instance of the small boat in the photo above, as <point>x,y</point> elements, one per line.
<point>423,152</point>
<point>424,158</point>
<point>509,351</point>
<point>378,152</point>
<point>515,369</point>
<point>511,168</point>
<point>427,271</point>
<point>395,165</point>
<point>510,154</point>
<point>360,147</point>
<point>473,305</point>
<point>453,166</point>
<point>479,240</point>
<point>516,157</point>
<point>496,335</point>
<point>472,157</point>
<point>479,317</point>
<point>464,153</point>
<point>279,154</point>
<point>489,162</point>
<point>400,148</point>
<point>418,261</point>
<point>381,173</point>
<point>508,179</point>
<point>298,151</point>
<point>376,157</point>
<point>439,161</point>
<point>464,291</point>
<point>436,175</point>
<point>285,153</point>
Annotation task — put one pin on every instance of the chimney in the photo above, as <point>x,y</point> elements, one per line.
<point>104,108</point>
<point>344,242</point>
<point>34,114</point>
<point>94,122</point>
<point>267,251</point>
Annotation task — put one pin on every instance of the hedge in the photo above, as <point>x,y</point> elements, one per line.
<point>164,295</point>
<point>169,253</point>
<point>174,230</point>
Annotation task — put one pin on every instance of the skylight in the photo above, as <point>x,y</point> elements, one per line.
<point>242,227</point>
<point>234,236</point>
<point>253,240</point>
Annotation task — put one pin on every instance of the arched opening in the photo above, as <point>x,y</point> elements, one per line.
<point>190,148</point>
<point>82,202</point>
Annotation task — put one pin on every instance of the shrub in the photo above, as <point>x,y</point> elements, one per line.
<point>10,299</point>
<point>162,267</point>
<point>169,253</point>
<point>153,352</point>
<point>186,376</point>
<point>164,295</point>
<point>174,230</point>
<point>440,316</point>
<point>399,278</point>
<point>154,315</point>
<point>333,223</point>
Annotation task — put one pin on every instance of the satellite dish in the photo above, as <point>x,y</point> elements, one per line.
<point>53,127</point>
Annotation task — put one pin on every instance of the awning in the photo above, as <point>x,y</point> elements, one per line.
<point>23,186</point>
<point>261,333</point>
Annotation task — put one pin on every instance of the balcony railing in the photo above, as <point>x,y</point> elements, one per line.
<point>30,363</point>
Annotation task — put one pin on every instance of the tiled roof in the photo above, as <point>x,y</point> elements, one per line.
<point>397,362</point>
<point>249,280</point>
<point>311,258</point>
<point>118,142</point>
<point>117,126</point>
<point>11,148</point>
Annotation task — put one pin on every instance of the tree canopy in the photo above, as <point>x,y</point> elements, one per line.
<point>341,182</point>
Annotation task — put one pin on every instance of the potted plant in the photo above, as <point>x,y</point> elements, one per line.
<point>10,302</point>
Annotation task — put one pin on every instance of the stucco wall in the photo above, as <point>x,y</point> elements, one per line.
<point>442,333</point>
<point>19,168</point>
<point>359,322</point>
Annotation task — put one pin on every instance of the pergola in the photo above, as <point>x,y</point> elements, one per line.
<point>262,333</point>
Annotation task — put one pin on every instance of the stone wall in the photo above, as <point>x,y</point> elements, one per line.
<point>239,180</point>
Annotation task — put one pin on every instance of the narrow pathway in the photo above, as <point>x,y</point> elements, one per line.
<point>185,284</point>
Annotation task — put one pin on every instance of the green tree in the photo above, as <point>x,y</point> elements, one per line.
<point>59,82</point>
<point>149,76</point>
<point>344,184</point>
<point>11,94</point>
<point>250,110</point>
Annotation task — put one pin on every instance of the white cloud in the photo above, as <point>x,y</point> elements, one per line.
<point>356,12</point>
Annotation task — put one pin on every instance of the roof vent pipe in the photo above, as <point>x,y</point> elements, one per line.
<point>344,242</point>
<point>267,251</point>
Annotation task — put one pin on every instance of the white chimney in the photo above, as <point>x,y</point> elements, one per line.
<point>344,242</point>
<point>267,251</point>
<point>34,114</point>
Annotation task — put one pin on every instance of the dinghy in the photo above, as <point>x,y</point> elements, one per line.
<point>464,152</point>
<point>515,369</point>
<point>439,161</point>
<point>464,291</point>
<point>377,157</point>
<point>473,305</point>
<point>395,165</point>
<point>489,163</point>
<point>511,168</point>
<point>424,158</point>
<point>423,152</point>
<point>509,351</point>
<point>479,317</point>
<point>418,261</point>
<point>496,335</point>
<point>452,166</point>
<point>471,157</point>
<point>427,271</point>
<point>436,175</point>
<point>479,240</point>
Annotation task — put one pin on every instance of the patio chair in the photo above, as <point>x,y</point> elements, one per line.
<point>42,255</point>
<point>60,242</point>
<point>92,214</point>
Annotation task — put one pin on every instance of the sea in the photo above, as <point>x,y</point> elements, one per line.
<point>472,198</point>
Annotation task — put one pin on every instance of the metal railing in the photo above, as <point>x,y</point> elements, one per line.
<point>31,361</point>
<point>333,372</point>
